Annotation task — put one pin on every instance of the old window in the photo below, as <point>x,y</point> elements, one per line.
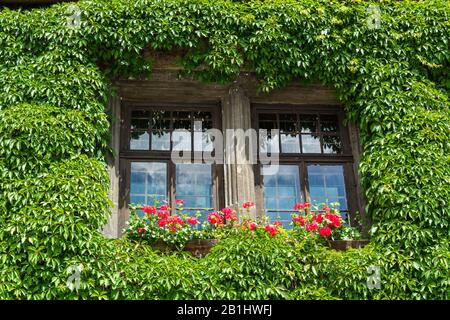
<point>315,159</point>
<point>149,135</point>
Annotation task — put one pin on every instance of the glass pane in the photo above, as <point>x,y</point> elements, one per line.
<point>202,116</point>
<point>268,142</point>
<point>161,140</point>
<point>194,186</point>
<point>308,123</point>
<point>281,192</point>
<point>139,140</point>
<point>329,123</point>
<point>139,124</point>
<point>290,143</point>
<point>160,120</point>
<point>140,114</point>
<point>182,120</point>
<point>267,121</point>
<point>332,144</point>
<point>327,184</point>
<point>181,140</point>
<point>284,217</point>
<point>203,141</point>
<point>288,122</point>
<point>148,182</point>
<point>310,143</point>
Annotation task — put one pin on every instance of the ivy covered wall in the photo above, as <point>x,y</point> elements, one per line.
<point>393,79</point>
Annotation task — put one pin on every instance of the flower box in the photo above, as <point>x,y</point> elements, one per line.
<point>342,245</point>
<point>160,245</point>
<point>200,247</point>
<point>197,247</point>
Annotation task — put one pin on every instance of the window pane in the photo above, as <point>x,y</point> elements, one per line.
<point>310,143</point>
<point>268,139</point>
<point>328,123</point>
<point>160,120</point>
<point>194,186</point>
<point>308,123</point>
<point>139,124</point>
<point>268,142</point>
<point>182,120</point>
<point>202,141</point>
<point>181,140</point>
<point>281,192</point>
<point>289,133</point>
<point>148,182</point>
<point>160,140</point>
<point>139,140</point>
<point>290,143</point>
<point>327,184</point>
<point>332,144</point>
<point>288,122</point>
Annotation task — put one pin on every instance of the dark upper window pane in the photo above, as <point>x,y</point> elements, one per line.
<point>328,123</point>
<point>268,121</point>
<point>288,122</point>
<point>268,117</point>
<point>308,123</point>
<point>182,120</point>
<point>160,121</point>
<point>203,116</point>
<point>139,124</point>
<point>140,114</point>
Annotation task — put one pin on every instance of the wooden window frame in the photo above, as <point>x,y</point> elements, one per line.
<point>127,156</point>
<point>345,159</point>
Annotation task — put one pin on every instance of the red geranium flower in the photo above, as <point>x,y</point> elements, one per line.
<point>318,218</point>
<point>215,218</point>
<point>192,220</point>
<point>176,220</point>
<point>325,232</point>
<point>278,223</point>
<point>229,214</point>
<point>307,204</point>
<point>163,214</point>
<point>165,207</point>
<point>334,219</point>
<point>312,226</point>
<point>272,229</point>
<point>252,225</point>
<point>248,204</point>
<point>299,220</point>
<point>163,222</point>
<point>179,202</point>
<point>173,228</point>
<point>141,230</point>
<point>299,206</point>
<point>149,209</point>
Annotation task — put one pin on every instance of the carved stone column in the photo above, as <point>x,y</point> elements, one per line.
<point>238,167</point>
<point>111,229</point>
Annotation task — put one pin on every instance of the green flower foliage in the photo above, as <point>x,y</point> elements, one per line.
<point>54,80</point>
